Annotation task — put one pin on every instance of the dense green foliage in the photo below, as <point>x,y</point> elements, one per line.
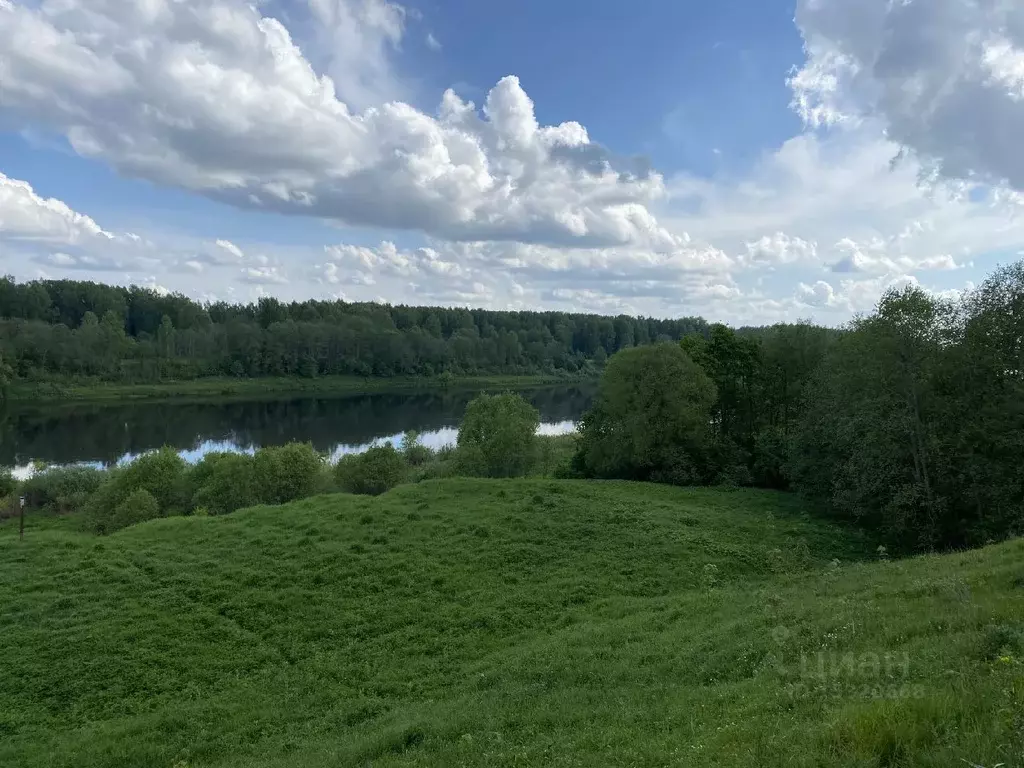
<point>287,473</point>
<point>8,484</point>
<point>498,437</point>
<point>413,451</point>
<point>163,475</point>
<point>910,421</point>
<point>225,482</point>
<point>60,490</point>
<point>760,378</point>
<point>58,329</point>
<point>651,419</point>
<point>138,507</point>
<point>6,377</point>
<point>161,484</point>
<point>518,622</point>
<point>914,426</point>
<point>373,472</point>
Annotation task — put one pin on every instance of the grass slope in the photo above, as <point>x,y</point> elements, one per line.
<point>527,623</point>
<point>285,386</point>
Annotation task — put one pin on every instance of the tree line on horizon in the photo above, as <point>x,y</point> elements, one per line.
<point>64,328</point>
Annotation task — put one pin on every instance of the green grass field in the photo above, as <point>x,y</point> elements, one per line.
<point>268,386</point>
<point>506,623</point>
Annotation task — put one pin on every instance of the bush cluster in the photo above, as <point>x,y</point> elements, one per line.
<point>225,482</point>
<point>61,490</point>
<point>161,483</point>
<point>8,485</point>
<point>372,472</point>
<point>287,473</point>
<point>162,475</point>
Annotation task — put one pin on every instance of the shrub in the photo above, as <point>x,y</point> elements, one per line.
<point>137,508</point>
<point>771,455</point>
<point>651,419</point>
<point>227,483</point>
<point>730,463</point>
<point>377,470</point>
<point>7,483</point>
<point>287,473</point>
<point>162,474</point>
<point>677,467</point>
<point>325,482</point>
<point>416,454</point>
<point>200,472</point>
<point>432,470</point>
<point>555,455</point>
<point>498,436</point>
<point>62,489</point>
<point>99,509</point>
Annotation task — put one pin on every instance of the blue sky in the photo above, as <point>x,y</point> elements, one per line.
<point>747,161</point>
<point>691,76</point>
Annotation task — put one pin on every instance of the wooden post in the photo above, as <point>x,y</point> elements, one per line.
<point>21,525</point>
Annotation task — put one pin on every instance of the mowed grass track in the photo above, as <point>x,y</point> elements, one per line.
<point>525,623</point>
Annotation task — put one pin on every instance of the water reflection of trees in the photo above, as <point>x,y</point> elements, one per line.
<point>105,433</point>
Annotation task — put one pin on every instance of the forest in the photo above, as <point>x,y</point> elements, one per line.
<point>62,329</point>
<point>909,422</point>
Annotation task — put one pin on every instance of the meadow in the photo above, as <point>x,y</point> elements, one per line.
<point>527,622</point>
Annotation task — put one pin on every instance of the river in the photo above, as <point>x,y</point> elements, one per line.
<point>111,434</point>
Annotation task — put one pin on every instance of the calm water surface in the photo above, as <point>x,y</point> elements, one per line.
<point>111,434</point>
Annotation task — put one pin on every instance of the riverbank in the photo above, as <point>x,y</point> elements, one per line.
<point>31,392</point>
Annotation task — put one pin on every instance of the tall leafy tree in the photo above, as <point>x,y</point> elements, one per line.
<point>733,363</point>
<point>870,441</point>
<point>651,419</point>
<point>498,436</point>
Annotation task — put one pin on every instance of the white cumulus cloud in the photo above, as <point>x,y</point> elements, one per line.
<point>838,203</point>
<point>944,77</point>
<point>357,38</point>
<point>48,233</point>
<point>268,275</point>
<point>780,248</point>
<point>25,215</point>
<point>298,109</point>
<point>214,97</point>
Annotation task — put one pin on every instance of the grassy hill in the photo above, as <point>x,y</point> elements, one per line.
<point>526,623</point>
